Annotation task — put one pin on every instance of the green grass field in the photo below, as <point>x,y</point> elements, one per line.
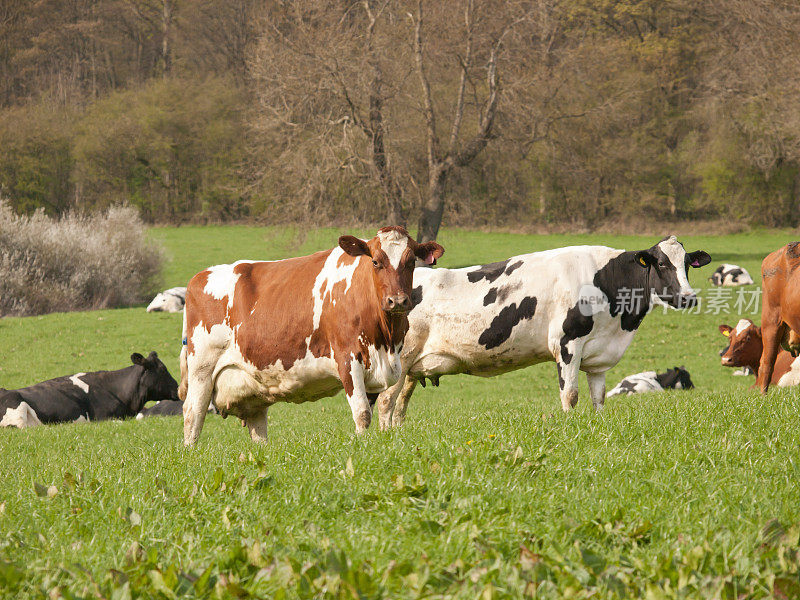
<point>488,490</point>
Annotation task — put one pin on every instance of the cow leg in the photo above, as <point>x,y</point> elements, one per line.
<point>386,403</point>
<point>352,376</point>
<point>771,334</point>
<point>568,380</point>
<point>388,412</point>
<point>402,401</point>
<point>597,389</point>
<point>257,426</point>
<point>199,390</point>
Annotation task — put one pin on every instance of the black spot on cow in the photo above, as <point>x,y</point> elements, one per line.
<point>672,377</point>
<point>416,295</point>
<point>506,290</point>
<point>793,249</point>
<point>490,297</point>
<point>627,386</point>
<point>514,267</point>
<point>488,272</point>
<point>500,329</point>
<point>577,323</point>
<point>734,274</point>
<point>560,378</point>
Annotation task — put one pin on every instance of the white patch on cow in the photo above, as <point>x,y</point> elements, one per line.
<point>330,275</point>
<point>139,417</point>
<point>23,416</point>
<point>81,419</point>
<point>222,280</point>
<point>384,369</point>
<point>742,325</point>
<point>591,300</point>
<point>791,377</point>
<point>677,256</point>
<point>76,380</point>
<point>394,244</point>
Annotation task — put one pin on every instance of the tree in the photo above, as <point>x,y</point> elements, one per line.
<point>323,71</point>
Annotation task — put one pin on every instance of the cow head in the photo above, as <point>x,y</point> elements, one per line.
<point>677,378</point>
<point>667,263</point>
<point>155,382</point>
<point>166,302</point>
<point>744,344</point>
<point>393,254</point>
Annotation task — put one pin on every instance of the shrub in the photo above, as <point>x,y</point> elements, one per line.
<point>78,262</point>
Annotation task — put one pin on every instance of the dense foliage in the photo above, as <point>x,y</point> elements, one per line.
<point>77,262</point>
<point>606,110</point>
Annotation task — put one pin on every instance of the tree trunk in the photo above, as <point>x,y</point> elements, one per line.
<point>166,27</point>
<point>431,218</point>
<point>391,191</point>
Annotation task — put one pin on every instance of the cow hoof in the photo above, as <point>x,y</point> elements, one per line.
<point>362,421</point>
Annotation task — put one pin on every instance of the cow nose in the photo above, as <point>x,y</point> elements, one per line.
<point>726,361</point>
<point>399,303</point>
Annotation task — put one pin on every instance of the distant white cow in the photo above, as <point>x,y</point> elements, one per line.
<point>171,300</point>
<point>730,275</point>
<point>650,381</point>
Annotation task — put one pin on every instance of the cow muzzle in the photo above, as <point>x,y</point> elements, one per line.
<point>727,361</point>
<point>399,304</point>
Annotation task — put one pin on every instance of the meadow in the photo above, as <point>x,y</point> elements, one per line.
<point>488,490</point>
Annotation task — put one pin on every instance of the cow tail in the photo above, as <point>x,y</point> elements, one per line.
<point>183,362</point>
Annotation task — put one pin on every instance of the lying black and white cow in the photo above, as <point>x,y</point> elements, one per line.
<point>578,306</point>
<point>730,275</point>
<point>650,381</point>
<point>167,408</point>
<point>171,300</point>
<point>89,396</point>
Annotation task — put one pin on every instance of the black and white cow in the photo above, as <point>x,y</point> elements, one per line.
<point>650,381</point>
<point>167,408</point>
<point>89,396</point>
<point>171,300</point>
<point>730,275</point>
<point>578,306</point>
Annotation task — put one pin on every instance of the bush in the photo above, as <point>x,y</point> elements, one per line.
<point>78,262</point>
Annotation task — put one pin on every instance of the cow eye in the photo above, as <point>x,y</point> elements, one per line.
<point>376,264</point>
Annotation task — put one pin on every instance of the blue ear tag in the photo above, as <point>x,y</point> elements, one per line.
<point>184,341</point>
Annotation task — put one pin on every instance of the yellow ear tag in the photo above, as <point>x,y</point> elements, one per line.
<point>642,261</point>
<point>726,333</point>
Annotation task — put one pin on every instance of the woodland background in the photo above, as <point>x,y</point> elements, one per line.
<point>479,113</point>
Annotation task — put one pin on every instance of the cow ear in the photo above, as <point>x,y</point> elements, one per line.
<point>644,259</point>
<point>152,360</point>
<point>354,246</point>
<point>698,259</point>
<point>429,252</point>
<point>725,330</point>
<point>137,359</point>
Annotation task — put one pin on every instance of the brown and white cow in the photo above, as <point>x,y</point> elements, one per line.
<point>744,350</point>
<point>298,330</point>
<point>780,308</point>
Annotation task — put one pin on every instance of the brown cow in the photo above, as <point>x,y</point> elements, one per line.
<point>297,330</point>
<point>780,309</point>
<point>744,350</point>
